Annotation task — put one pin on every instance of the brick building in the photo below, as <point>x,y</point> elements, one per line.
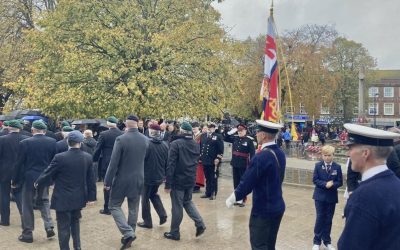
<point>383,96</point>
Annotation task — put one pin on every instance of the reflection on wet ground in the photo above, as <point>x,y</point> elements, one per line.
<point>226,228</point>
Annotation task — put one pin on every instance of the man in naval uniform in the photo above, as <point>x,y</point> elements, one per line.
<point>372,211</point>
<point>212,150</point>
<point>264,178</point>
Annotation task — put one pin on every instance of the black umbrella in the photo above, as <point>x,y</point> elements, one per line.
<point>102,122</point>
<point>25,112</point>
<point>85,121</point>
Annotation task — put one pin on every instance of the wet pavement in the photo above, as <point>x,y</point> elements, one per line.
<point>226,228</point>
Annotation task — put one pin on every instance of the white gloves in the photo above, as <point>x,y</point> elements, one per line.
<point>232,131</point>
<point>231,200</point>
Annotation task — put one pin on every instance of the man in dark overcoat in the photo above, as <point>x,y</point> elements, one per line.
<point>181,177</point>
<point>154,174</point>
<point>103,150</point>
<point>35,154</point>
<point>74,187</point>
<point>9,154</point>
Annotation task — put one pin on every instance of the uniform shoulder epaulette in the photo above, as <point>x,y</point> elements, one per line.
<point>251,138</point>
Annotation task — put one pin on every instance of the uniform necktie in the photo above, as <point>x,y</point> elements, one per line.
<point>328,168</point>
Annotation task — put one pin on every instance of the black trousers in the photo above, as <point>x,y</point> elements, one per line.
<point>237,174</point>
<point>106,199</point>
<point>5,187</point>
<point>211,180</point>
<point>263,232</point>
<point>150,194</point>
<point>323,222</point>
<point>67,225</point>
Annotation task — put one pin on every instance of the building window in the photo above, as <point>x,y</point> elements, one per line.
<point>355,111</point>
<point>289,109</point>
<point>339,109</point>
<point>388,109</point>
<point>324,110</point>
<point>372,91</point>
<point>388,92</point>
<point>372,109</point>
<point>302,109</point>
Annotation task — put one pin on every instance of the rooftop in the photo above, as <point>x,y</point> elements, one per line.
<point>386,74</point>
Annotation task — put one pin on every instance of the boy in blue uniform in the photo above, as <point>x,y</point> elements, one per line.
<point>327,179</point>
<point>372,211</point>
<point>264,178</point>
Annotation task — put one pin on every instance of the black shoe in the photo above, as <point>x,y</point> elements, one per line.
<point>25,239</point>
<point>200,231</point>
<point>144,225</point>
<point>105,211</point>
<point>50,232</point>
<point>4,224</point>
<point>212,197</point>
<point>163,220</point>
<point>204,196</point>
<point>171,236</point>
<point>126,243</point>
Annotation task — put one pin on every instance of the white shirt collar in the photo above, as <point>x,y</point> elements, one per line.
<point>267,144</point>
<point>373,171</point>
<point>326,164</point>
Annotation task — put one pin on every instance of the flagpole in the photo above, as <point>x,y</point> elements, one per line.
<point>279,48</point>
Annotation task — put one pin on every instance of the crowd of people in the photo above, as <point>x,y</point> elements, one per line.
<point>133,161</point>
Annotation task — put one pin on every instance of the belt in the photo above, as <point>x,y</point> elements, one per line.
<point>240,154</point>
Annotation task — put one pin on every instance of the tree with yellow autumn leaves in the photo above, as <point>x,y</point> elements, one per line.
<point>153,58</point>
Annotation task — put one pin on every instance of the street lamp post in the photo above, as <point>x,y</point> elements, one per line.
<point>375,96</point>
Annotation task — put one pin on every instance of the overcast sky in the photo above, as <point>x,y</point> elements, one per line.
<point>374,23</point>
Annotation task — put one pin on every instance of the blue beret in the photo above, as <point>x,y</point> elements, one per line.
<point>132,118</point>
<point>75,136</point>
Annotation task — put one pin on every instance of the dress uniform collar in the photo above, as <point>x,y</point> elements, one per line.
<point>267,144</point>
<point>373,171</point>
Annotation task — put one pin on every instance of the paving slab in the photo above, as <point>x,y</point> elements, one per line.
<point>226,228</point>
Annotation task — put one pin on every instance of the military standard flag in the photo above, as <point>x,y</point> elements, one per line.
<point>269,86</point>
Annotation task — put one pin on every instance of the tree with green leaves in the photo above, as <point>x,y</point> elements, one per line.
<point>16,17</point>
<point>154,58</point>
<point>345,59</point>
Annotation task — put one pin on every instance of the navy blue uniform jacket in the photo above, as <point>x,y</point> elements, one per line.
<point>35,155</point>
<point>9,146</point>
<point>373,215</point>
<point>211,148</point>
<point>264,178</point>
<point>105,146</point>
<point>321,177</point>
<point>74,181</point>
